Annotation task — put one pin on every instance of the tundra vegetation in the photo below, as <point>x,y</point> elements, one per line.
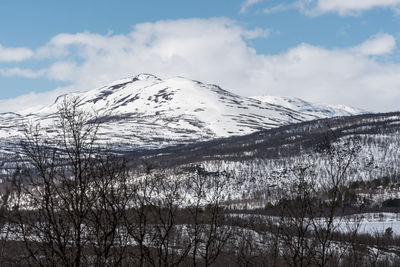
<point>69,200</point>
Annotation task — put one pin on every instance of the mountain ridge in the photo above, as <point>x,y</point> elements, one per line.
<point>144,111</point>
<point>319,109</point>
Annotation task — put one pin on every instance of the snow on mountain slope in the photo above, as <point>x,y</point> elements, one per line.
<point>148,112</point>
<point>312,109</point>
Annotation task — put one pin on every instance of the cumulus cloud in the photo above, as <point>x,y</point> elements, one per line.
<point>217,51</point>
<point>380,44</point>
<point>194,48</point>
<point>14,53</point>
<point>333,76</point>
<point>248,3</point>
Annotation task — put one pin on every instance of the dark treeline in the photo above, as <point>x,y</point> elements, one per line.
<point>284,141</point>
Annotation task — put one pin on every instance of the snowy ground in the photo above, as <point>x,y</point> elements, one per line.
<point>371,223</point>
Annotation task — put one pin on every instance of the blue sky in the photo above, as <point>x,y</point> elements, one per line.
<point>332,51</point>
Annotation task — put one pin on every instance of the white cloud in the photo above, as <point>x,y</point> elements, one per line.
<point>26,73</point>
<point>216,51</point>
<point>378,45</point>
<point>333,76</point>
<point>248,3</point>
<point>256,33</point>
<point>279,8</point>
<point>344,7</point>
<point>15,53</point>
<point>30,100</point>
<point>341,7</point>
<point>193,48</point>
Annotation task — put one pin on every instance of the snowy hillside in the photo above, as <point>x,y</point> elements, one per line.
<point>148,112</point>
<point>312,109</point>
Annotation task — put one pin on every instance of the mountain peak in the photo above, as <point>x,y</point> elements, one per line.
<point>146,77</point>
<point>147,111</point>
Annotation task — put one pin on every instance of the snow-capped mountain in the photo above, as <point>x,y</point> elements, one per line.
<point>148,112</point>
<point>313,109</point>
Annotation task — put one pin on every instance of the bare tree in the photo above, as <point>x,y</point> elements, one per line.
<point>137,218</point>
<point>152,222</point>
<point>67,202</point>
<point>208,228</point>
<point>326,217</point>
<point>311,202</point>
<point>294,224</point>
<point>108,238</point>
